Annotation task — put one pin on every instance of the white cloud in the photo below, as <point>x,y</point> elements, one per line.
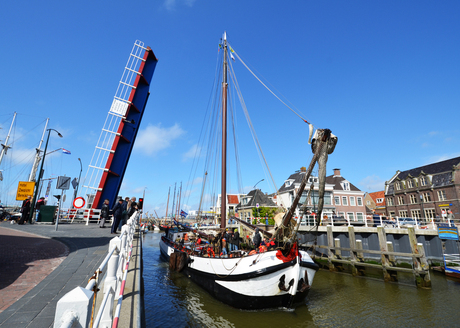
<point>192,152</point>
<point>171,4</point>
<point>372,183</point>
<point>156,138</point>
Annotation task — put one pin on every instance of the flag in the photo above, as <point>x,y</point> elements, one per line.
<point>65,151</point>
<point>183,213</point>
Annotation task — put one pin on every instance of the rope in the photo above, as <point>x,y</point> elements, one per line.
<point>233,52</point>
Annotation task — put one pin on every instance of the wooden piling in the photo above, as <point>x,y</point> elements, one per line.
<point>330,252</point>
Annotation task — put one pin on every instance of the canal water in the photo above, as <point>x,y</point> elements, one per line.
<point>335,300</point>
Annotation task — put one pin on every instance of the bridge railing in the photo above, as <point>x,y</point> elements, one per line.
<point>79,304</point>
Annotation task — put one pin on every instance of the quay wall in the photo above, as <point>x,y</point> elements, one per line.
<point>399,237</point>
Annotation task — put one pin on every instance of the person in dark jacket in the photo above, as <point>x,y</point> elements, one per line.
<point>257,239</point>
<point>236,240</point>
<point>25,210</point>
<point>104,213</point>
<point>117,211</point>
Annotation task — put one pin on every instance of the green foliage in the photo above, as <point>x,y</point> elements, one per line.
<point>263,212</point>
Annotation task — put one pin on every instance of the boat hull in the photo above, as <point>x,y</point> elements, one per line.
<point>253,282</point>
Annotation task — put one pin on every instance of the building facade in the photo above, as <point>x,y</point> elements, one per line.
<point>341,197</point>
<point>425,192</point>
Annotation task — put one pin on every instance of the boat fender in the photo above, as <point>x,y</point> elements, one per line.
<point>252,252</point>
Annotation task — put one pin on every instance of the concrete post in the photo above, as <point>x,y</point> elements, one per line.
<point>110,283</point>
<point>75,306</point>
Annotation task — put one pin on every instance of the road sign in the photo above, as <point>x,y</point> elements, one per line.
<point>25,189</point>
<point>63,183</point>
<point>79,202</point>
<point>257,205</point>
<point>74,183</point>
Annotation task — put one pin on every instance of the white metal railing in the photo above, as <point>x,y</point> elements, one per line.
<point>395,222</point>
<point>79,304</point>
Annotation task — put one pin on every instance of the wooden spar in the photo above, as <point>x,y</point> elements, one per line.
<point>174,199</point>
<point>202,234</point>
<point>167,203</point>
<point>223,206</point>
<point>325,136</point>
<point>253,227</point>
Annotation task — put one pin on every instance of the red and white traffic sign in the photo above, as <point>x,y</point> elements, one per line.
<point>79,202</point>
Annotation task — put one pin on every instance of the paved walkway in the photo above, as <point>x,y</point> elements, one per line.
<point>29,287</point>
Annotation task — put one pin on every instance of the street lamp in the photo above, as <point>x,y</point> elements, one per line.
<point>32,206</point>
<point>79,176</point>
<point>258,183</point>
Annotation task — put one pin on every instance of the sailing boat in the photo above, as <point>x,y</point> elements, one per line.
<point>278,276</point>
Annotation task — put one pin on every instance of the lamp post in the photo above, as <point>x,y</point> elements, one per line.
<point>34,199</point>
<point>258,183</point>
<point>423,211</point>
<point>79,176</point>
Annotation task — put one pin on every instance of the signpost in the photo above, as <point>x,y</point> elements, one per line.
<point>63,183</point>
<point>25,189</point>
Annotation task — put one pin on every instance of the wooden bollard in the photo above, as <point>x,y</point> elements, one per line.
<point>423,280</point>
<point>384,250</point>
<point>391,260</point>
<point>338,252</point>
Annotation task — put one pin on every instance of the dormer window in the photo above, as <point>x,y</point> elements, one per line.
<point>410,184</point>
<point>345,185</point>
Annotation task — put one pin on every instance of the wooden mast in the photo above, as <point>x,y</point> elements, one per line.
<point>223,205</point>
<point>167,204</point>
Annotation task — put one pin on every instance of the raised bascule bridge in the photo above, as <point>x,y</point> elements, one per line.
<point>113,149</point>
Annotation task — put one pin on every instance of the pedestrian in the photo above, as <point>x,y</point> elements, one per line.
<point>39,204</point>
<point>450,216</point>
<point>124,214</point>
<point>117,210</point>
<point>256,239</point>
<point>224,247</point>
<point>444,215</point>
<point>25,210</point>
<point>227,240</point>
<point>132,208</point>
<point>104,213</point>
<point>236,239</point>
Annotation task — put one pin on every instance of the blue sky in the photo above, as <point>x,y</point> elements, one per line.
<point>383,76</point>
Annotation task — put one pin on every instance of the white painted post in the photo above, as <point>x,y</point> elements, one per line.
<point>399,224</point>
<point>75,306</point>
<point>110,283</point>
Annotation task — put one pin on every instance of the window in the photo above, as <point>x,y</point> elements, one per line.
<point>360,201</point>
<point>413,199</point>
<point>429,213</point>
<point>379,200</point>
<point>344,201</point>
<point>401,200</point>
<point>426,197</point>
<point>442,195</point>
<point>345,185</point>
<point>403,214</point>
<point>390,202</point>
<point>410,184</point>
<point>352,201</point>
<point>287,183</point>
<point>327,198</point>
<point>336,200</point>
<point>415,182</point>
<point>360,217</point>
<point>368,202</point>
<point>351,216</point>
<point>398,185</point>
<point>416,214</point>
<point>392,214</point>
<point>423,181</point>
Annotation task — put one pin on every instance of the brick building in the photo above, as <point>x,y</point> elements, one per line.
<point>425,191</point>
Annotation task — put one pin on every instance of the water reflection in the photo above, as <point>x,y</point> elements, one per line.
<point>336,300</point>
